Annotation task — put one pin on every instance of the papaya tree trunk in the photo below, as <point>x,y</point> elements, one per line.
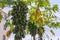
<point>34,37</point>
<point>40,37</point>
<point>40,34</point>
<point>18,37</point>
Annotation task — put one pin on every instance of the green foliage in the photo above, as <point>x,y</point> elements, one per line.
<point>46,15</point>
<point>54,25</point>
<point>19,19</point>
<point>32,28</point>
<point>55,8</point>
<point>28,2</point>
<point>4,3</point>
<point>1,17</point>
<point>44,3</point>
<point>19,16</point>
<point>9,24</point>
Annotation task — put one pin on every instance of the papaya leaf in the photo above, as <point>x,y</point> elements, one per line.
<point>1,17</point>
<point>55,8</point>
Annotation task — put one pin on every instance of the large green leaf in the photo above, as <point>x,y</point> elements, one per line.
<point>55,8</point>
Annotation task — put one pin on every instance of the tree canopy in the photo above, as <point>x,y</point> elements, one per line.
<point>38,17</point>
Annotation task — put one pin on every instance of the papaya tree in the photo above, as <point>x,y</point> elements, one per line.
<point>41,18</point>
<point>19,19</point>
<point>18,24</point>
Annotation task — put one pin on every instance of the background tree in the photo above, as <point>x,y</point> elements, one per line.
<point>19,19</point>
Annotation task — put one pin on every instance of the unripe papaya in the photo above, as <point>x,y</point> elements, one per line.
<point>52,32</point>
<point>38,13</point>
<point>8,33</point>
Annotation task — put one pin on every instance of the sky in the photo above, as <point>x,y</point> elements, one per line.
<point>47,32</point>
